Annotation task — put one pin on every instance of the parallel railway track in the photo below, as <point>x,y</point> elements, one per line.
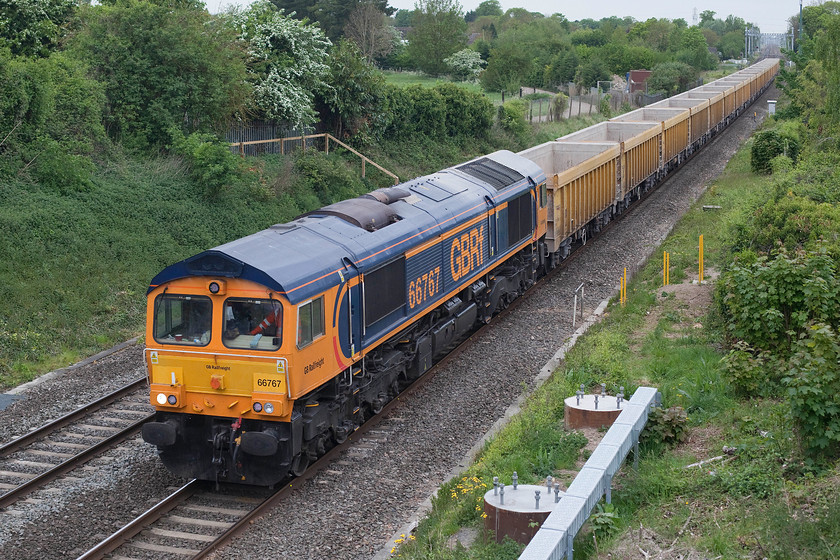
<point>44,454</point>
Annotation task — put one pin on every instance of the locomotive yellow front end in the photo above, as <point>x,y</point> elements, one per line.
<point>219,380</point>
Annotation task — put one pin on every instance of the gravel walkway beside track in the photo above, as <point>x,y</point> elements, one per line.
<point>352,509</point>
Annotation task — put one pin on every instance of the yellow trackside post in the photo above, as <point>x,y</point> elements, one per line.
<point>621,290</point>
<point>701,260</point>
<point>666,268</point>
<point>624,287</point>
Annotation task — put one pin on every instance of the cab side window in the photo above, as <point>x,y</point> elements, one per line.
<point>310,321</point>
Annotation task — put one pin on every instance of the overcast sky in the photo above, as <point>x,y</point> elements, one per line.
<point>770,15</point>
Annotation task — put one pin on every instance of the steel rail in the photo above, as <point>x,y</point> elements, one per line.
<point>68,418</point>
<point>130,530</point>
<point>77,460</point>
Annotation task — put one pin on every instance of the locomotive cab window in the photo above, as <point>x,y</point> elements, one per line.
<point>543,196</point>
<point>183,320</point>
<point>310,321</point>
<point>253,324</point>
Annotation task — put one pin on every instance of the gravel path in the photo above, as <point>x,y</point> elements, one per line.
<point>352,509</point>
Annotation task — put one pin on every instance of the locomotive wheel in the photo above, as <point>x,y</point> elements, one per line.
<point>299,464</point>
<point>377,404</point>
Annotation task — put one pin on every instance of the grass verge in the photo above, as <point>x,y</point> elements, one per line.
<point>755,500</point>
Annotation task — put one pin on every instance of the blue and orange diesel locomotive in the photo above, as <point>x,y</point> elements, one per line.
<point>266,351</point>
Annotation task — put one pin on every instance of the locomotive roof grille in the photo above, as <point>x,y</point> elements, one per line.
<point>491,172</point>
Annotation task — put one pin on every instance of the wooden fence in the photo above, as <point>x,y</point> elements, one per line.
<point>302,141</point>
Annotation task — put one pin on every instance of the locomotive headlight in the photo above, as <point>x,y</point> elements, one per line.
<point>172,399</point>
<point>257,407</point>
<point>214,287</point>
<point>161,398</point>
<point>269,408</point>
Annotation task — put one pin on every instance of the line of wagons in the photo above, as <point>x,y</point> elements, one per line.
<point>264,352</point>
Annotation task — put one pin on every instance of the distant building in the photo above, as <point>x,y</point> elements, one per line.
<point>637,80</point>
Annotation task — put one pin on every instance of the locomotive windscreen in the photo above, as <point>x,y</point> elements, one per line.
<point>491,172</point>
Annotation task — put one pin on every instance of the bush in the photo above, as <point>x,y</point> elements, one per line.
<point>665,426</point>
<point>784,140</point>
<point>328,177</point>
<point>212,165</point>
<point>50,120</point>
<point>466,113</point>
<point>512,117</point>
<point>814,390</point>
<point>792,222</point>
<point>445,110</point>
<point>768,303</point>
<point>753,372</point>
<point>60,171</point>
<point>558,106</point>
<point>816,177</point>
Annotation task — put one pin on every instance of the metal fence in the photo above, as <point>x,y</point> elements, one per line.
<point>253,134</point>
<point>555,539</point>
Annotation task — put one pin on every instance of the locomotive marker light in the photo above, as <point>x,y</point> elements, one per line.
<point>269,408</point>
<point>257,407</point>
<point>161,398</point>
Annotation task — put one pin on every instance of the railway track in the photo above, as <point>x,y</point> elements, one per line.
<point>201,517</point>
<point>44,454</point>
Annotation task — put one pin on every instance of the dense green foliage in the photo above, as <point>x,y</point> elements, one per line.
<point>671,78</point>
<point>33,27</point>
<point>355,93</point>
<point>160,67</point>
<point>50,121</point>
<point>783,140</point>
<point>445,110</point>
<point>781,307</point>
<point>438,31</point>
<point>288,61</point>
<point>814,389</point>
<point>770,302</point>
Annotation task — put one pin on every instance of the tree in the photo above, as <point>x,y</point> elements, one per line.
<point>707,17</point>
<point>731,45</point>
<point>368,28</point>
<point>331,15</point>
<point>671,77</point>
<point>438,32</point>
<point>289,61</point>
<point>403,18</point>
<point>694,50</point>
<point>489,8</point>
<point>356,93</point>
<point>509,64</point>
<point>591,72</point>
<point>465,64</point>
<point>562,68</point>
<point>33,27</point>
<point>161,67</point>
